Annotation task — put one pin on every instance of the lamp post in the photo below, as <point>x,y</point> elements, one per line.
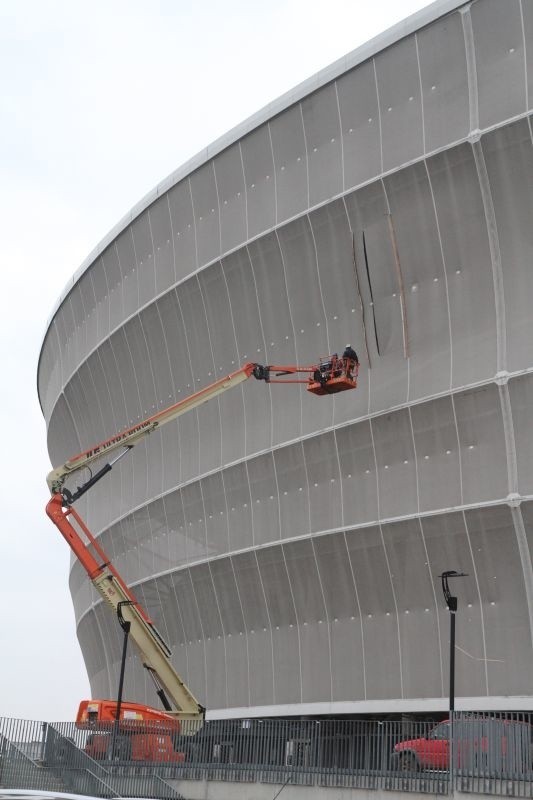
<point>451,602</point>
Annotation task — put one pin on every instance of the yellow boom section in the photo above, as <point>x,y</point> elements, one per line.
<point>131,436</point>
<point>153,650</point>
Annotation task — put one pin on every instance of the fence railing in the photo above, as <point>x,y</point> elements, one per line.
<point>488,753</point>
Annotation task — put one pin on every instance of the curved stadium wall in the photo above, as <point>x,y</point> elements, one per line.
<point>287,546</point>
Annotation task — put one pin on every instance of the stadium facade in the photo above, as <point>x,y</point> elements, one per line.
<point>289,546</point>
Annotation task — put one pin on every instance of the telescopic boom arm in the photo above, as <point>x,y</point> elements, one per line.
<point>155,653</point>
<point>128,438</point>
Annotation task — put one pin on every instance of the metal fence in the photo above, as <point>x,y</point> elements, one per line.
<point>487,753</point>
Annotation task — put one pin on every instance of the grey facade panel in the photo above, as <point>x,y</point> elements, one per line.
<point>289,547</point>
<point>444,81</point>
<point>466,256</point>
<point>437,454</point>
<point>400,104</point>
<point>260,185</point>
<point>500,56</point>
<point>161,233</point>
<point>232,198</point>
<point>320,113</point>
<point>144,258</point>
<point>206,212</point>
<point>290,159</point>
<point>183,229</point>
<point>359,112</point>
<point>509,161</point>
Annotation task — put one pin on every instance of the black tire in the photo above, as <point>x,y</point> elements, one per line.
<point>409,763</point>
<point>120,749</point>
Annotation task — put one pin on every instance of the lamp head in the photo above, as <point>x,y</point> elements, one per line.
<point>451,601</point>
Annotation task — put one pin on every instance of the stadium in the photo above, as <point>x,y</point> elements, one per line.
<point>289,546</point>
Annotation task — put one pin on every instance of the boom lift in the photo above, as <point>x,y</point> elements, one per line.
<point>331,375</point>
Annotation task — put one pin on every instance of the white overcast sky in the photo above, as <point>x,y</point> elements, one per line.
<point>99,101</point>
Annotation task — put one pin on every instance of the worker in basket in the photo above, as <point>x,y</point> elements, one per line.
<point>334,367</point>
<point>350,360</point>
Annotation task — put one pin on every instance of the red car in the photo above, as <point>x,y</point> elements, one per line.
<point>481,744</point>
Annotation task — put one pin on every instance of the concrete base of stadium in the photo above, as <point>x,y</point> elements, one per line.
<point>226,790</point>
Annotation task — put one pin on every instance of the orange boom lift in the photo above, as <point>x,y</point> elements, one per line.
<point>330,375</point>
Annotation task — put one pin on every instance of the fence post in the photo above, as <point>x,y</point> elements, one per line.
<point>451,754</point>
<point>44,730</point>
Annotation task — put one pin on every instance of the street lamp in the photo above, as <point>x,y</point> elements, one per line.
<point>451,602</point>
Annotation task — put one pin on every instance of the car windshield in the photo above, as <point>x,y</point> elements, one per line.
<point>441,731</point>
